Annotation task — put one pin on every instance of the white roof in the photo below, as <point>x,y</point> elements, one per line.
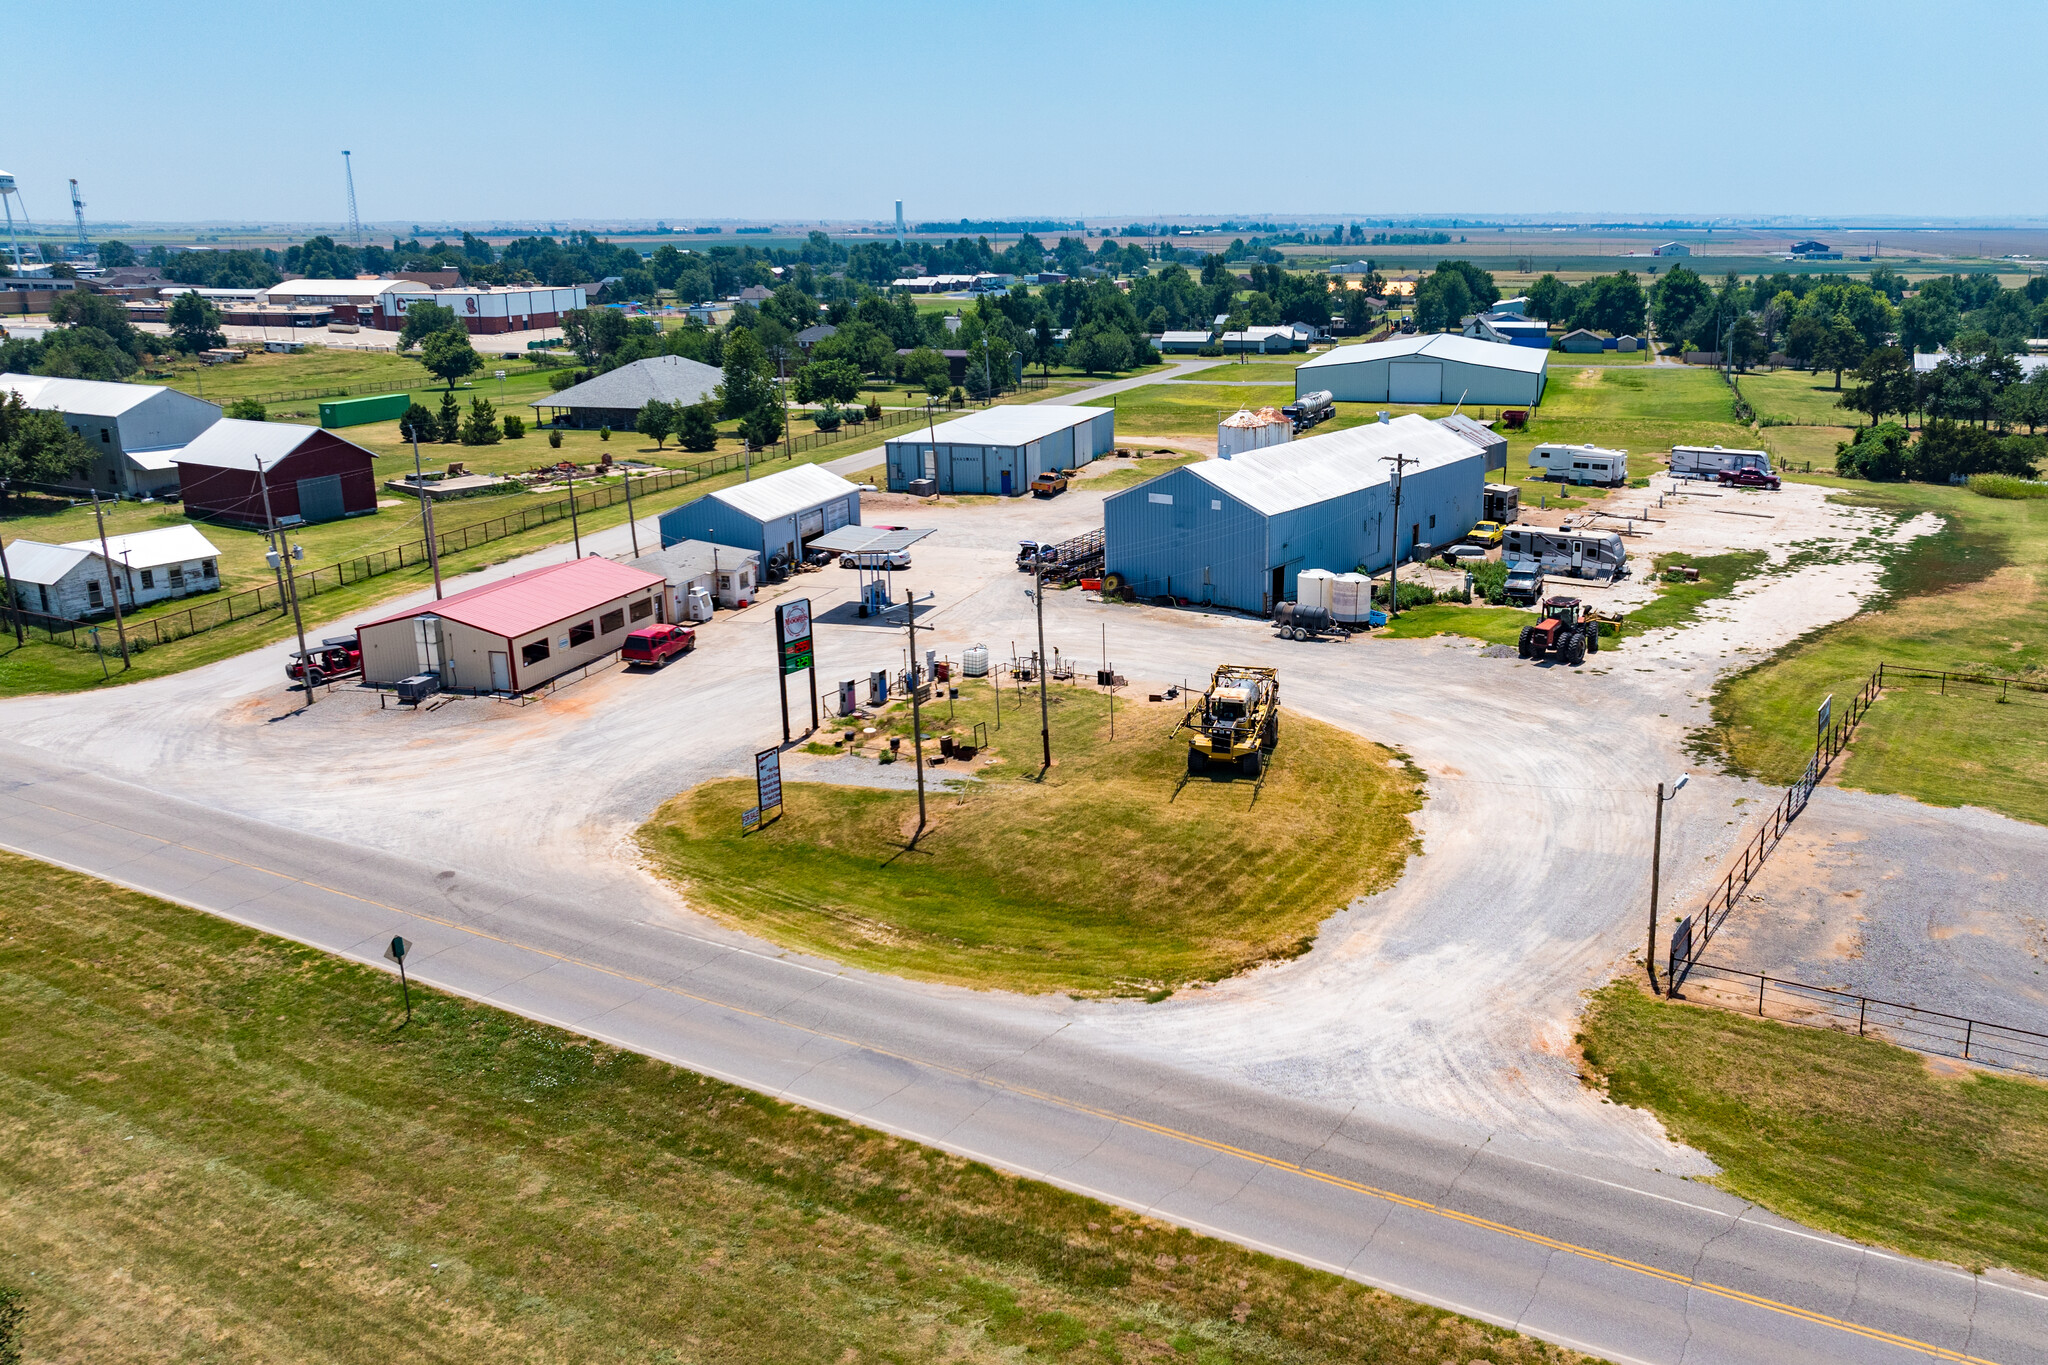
<point>351,288</point>
<point>92,397</point>
<point>1302,473</point>
<point>784,494</point>
<point>1011,425</point>
<point>147,549</point>
<point>1437,346</point>
<point>232,443</point>
<point>1184,336</point>
<point>31,561</point>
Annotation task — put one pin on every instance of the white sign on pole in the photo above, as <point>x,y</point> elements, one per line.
<point>497,374</point>
<point>796,620</point>
<point>1827,709</point>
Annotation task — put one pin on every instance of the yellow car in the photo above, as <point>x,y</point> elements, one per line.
<point>1486,533</point>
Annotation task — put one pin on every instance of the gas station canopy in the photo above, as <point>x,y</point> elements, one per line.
<point>868,540</point>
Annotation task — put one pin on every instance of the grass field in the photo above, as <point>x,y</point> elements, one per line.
<point>1012,885</point>
<point>1567,359</point>
<point>1250,371</point>
<point>1125,473</point>
<point>1848,1134</point>
<point>1970,597</point>
<point>1795,396</point>
<point>217,1145</point>
<point>1678,604</point>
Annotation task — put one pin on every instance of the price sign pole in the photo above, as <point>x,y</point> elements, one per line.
<point>794,654</point>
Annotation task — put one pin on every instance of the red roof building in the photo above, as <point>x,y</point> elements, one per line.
<point>517,633</point>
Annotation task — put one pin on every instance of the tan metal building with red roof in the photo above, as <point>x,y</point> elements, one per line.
<point>515,634</point>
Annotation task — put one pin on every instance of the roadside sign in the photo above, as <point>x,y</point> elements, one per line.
<point>398,949</point>
<point>1827,709</point>
<point>768,783</point>
<point>750,819</point>
<point>793,633</point>
<point>497,374</point>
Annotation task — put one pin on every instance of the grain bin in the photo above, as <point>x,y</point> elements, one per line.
<point>1247,430</point>
<point>1315,588</point>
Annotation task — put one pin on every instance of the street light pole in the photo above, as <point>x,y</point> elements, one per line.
<point>107,563</point>
<point>1044,706</point>
<point>419,481</point>
<point>1656,866</point>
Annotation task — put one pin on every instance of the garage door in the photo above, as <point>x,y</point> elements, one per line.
<point>320,499</point>
<point>1415,381</point>
<point>811,523</point>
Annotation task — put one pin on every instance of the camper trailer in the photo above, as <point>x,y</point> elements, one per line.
<point>1566,554</point>
<point>1581,464</point>
<point>1710,462</point>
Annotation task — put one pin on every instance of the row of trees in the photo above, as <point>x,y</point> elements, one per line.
<point>1988,390</point>
<point>93,340</point>
<point>1945,451</point>
<point>481,426</point>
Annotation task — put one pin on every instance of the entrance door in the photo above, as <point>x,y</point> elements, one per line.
<point>1415,381</point>
<point>1279,586</point>
<point>1578,556</point>
<point>320,499</point>
<point>501,672</point>
<point>1006,483</point>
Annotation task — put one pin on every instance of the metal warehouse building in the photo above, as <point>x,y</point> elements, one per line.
<point>1439,368</point>
<point>1236,533</point>
<point>134,430</point>
<point>772,516</point>
<point>309,473</point>
<point>1001,450</point>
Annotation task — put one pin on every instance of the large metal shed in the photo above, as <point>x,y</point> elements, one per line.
<point>1438,368</point>
<point>1237,533</point>
<point>1001,450</point>
<point>772,516</point>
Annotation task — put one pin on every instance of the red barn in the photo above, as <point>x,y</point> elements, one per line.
<point>311,473</point>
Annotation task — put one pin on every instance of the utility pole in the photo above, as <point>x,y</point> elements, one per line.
<point>280,559</point>
<point>1044,705</point>
<point>1399,462</point>
<point>7,578</point>
<point>426,514</point>
<point>107,563</point>
<point>916,715</point>
<point>1656,862</point>
<point>631,527</point>
<point>575,530</point>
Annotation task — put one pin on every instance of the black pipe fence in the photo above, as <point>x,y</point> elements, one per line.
<point>1932,1032</point>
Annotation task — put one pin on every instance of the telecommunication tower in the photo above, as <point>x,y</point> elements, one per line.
<point>78,215</point>
<point>355,224</point>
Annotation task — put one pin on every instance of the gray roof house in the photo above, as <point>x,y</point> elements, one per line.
<point>615,399</point>
<point>815,333</point>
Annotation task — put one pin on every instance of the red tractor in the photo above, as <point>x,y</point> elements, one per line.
<point>1567,631</point>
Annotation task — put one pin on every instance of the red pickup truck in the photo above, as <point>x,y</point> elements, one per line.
<point>1747,478</point>
<point>656,645</point>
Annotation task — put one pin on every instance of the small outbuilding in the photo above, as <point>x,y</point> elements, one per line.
<point>1001,450</point>
<point>1672,249</point>
<point>1180,343</point>
<point>224,472</point>
<point>1247,430</point>
<point>614,399</point>
<point>701,574</point>
<point>1580,341</point>
<point>154,566</point>
<point>774,517</point>
<point>517,633</point>
<point>1432,368</point>
<point>1491,443</point>
<point>58,580</point>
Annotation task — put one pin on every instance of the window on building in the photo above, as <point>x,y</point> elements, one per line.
<point>177,576</point>
<point>611,621</point>
<point>1432,521</point>
<point>93,596</point>
<point>582,633</point>
<point>104,438</point>
<point>149,578</point>
<point>643,609</point>
<point>534,653</point>
<point>206,568</point>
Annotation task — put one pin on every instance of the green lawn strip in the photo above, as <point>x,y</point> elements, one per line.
<point>1848,1134</point>
<point>215,1144</point>
<point>1967,598</point>
<point>1494,625</point>
<point>1678,603</point>
<point>1100,880</point>
<point>1260,371</point>
<point>1796,396</point>
<point>1566,359</point>
<point>1124,474</point>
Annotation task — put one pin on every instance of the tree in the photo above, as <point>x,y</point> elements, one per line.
<point>1676,300</point>
<point>593,333</point>
<point>747,389</point>
<point>696,428</point>
<point>1743,338</point>
<point>448,356</point>
<point>423,320</point>
<point>114,255</point>
<point>449,426</point>
<point>1840,349</point>
<point>829,381</point>
<point>1096,346</point>
<point>656,419</point>
<point>1551,299</point>
<point>245,410</point>
<point>1442,301</point>
<point>1878,452</point>
<point>1803,338</point>
<point>36,446</point>
<point>418,424</point>
<point>481,427</point>
<point>1886,385</point>
<point>195,324</point>
<point>1950,450</point>
<point>1479,285</point>
<point>762,427</point>
<point>925,367</point>
<point>1928,321</point>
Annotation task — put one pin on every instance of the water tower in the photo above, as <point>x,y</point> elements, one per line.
<point>9,192</point>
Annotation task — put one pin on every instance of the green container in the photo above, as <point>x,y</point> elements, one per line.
<point>354,412</point>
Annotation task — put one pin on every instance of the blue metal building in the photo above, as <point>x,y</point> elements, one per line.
<point>1236,533</point>
<point>1001,450</point>
<point>771,516</point>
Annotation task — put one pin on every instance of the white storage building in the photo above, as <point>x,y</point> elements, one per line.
<point>134,430</point>
<point>1437,368</point>
<point>1001,449</point>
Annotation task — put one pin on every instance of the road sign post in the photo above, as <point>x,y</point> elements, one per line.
<point>396,952</point>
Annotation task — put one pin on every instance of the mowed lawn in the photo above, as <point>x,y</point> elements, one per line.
<point>1796,396</point>
<point>1849,1134</point>
<point>1968,598</point>
<point>218,1145</point>
<point>1097,880</point>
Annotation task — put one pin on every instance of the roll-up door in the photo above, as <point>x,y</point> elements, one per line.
<point>810,523</point>
<point>1415,381</point>
<point>320,499</point>
<point>835,514</point>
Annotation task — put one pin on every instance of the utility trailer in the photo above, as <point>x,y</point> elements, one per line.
<point>1566,554</point>
<point>1710,462</point>
<point>1067,562</point>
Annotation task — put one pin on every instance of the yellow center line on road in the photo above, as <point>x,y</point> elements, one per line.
<point>1073,1106</point>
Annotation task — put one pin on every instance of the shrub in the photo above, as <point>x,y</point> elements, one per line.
<point>2007,486</point>
<point>561,379</point>
<point>604,433</point>
<point>1211,350</point>
<point>1489,581</point>
<point>827,418</point>
<point>245,409</point>
<point>418,424</point>
<point>555,440</point>
<point>874,410</point>
<point>1878,452</point>
<point>695,428</point>
<point>515,428</point>
<point>450,421</point>
<point>955,396</point>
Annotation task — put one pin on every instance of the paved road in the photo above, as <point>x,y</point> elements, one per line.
<point>1399,1105</point>
<point>1180,367</point>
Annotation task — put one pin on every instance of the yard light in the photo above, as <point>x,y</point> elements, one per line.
<point>1656,861</point>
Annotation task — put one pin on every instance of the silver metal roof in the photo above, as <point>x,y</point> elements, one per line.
<point>1437,346</point>
<point>1011,425</point>
<point>671,378</point>
<point>1303,473</point>
<point>786,493</point>
<point>869,540</point>
<point>232,443</point>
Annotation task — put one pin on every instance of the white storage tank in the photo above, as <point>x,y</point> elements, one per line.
<point>1247,430</point>
<point>1351,597</point>
<point>1315,588</point>
<point>974,663</point>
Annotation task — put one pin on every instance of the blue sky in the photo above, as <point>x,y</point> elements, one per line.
<point>797,111</point>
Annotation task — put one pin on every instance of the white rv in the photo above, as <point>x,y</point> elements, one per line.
<point>1566,554</point>
<point>1581,464</point>
<point>1708,462</point>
